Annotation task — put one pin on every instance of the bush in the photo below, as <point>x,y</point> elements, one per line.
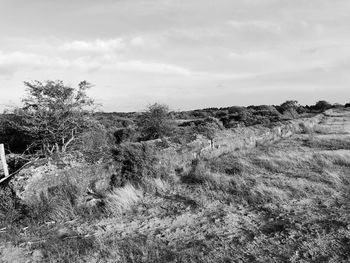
<point>235,109</point>
<point>94,143</point>
<point>209,128</point>
<point>322,105</point>
<point>10,206</point>
<point>156,122</point>
<point>136,162</point>
<point>125,135</point>
<point>53,115</point>
<point>289,104</point>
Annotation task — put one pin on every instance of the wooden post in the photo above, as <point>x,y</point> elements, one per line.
<point>3,160</point>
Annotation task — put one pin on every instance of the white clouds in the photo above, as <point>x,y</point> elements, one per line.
<point>196,45</point>
<point>137,41</point>
<point>255,24</point>
<point>255,55</point>
<point>97,45</point>
<point>18,61</point>
<point>17,58</point>
<point>151,67</point>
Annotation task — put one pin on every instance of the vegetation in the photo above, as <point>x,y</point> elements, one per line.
<point>53,115</point>
<point>155,122</point>
<point>150,187</point>
<point>322,105</point>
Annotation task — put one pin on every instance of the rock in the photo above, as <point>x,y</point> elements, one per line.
<point>32,181</point>
<point>37,255</point>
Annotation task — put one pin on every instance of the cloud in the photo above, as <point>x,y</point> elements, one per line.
<point>113,63</point>
<point>255,24</point>
<point>97,45</point>
<point>137,41</point>
<point>151,67</point>
<point>15,61</point>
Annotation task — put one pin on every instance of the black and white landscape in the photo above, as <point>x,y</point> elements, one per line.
<point>174,131</point>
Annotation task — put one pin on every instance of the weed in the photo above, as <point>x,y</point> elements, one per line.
<point>122,199</point>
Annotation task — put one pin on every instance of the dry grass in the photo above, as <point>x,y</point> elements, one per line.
<point>59,204</point>
<point>275,175</point>
<point>330,144</point>
<point>286,202</point>
<point>122,199</point>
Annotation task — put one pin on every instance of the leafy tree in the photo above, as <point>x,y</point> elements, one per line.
<point>156,122</point>
<point>322,105</point>
<point>53,114</point>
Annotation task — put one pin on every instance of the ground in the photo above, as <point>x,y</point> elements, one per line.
<point>287,201</point>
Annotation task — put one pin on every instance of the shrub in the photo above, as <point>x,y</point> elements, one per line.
<point>136,162</point>
<point>125,135</point>
<point>235,109</point>
<point>322,105</point>
<point>53,115</point>
<point>199,114</point>
<point>221,114</point>
<point>11,208</point>
<point>289,104</point>
<point>156,122</point>
<point>94,143</point>
<point>209,127</point>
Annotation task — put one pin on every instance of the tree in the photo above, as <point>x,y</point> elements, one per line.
<point>156,122</point>
<point>322,105</point>
<point>53,114</point>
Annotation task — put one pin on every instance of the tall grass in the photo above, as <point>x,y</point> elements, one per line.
<point>122,199</point>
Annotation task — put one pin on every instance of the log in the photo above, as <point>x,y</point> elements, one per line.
<point>3,160</point>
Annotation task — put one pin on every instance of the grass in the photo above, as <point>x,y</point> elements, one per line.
<point>122,199</point>
<point>330,144</point>
<point>286,202</point>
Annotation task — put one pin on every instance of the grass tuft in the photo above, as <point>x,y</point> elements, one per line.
<point>122,199</point>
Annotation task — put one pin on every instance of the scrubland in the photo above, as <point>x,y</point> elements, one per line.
<point>281,201</point>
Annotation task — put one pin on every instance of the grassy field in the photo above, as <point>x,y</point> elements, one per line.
<point>283,202</point>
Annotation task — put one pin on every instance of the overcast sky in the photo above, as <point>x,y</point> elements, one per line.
<point>185,53</point>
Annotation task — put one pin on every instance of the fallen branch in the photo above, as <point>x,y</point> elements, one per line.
<point>16,172</point>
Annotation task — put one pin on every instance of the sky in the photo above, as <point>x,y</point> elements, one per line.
<point>188,54</point>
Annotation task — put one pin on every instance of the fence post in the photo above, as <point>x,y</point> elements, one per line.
<point>3,160</point>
